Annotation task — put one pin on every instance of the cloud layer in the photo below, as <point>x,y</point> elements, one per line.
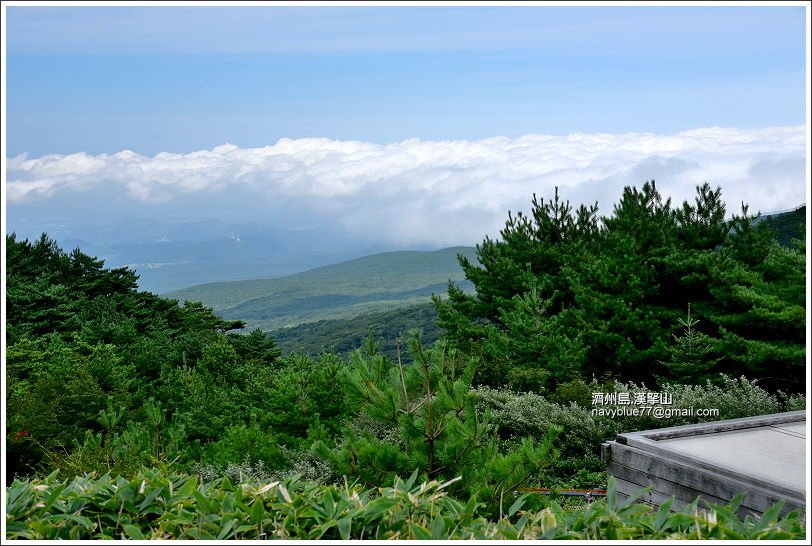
<point>430,192</point>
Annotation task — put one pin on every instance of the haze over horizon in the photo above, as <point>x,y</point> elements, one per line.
<point>318,134</point>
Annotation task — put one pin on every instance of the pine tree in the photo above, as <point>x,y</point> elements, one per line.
<point>535,252</point>
<point>759,312</point>
<point>423,418</point>
<point>612,290</point>
<point>691,357</point>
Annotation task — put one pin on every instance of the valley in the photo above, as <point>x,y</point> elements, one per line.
<point>373,284</point>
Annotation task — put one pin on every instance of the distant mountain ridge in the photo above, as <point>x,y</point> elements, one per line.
<point>788,225</point>
<point>375,283</point>
<point>172,254</point>
<point>344,335</point>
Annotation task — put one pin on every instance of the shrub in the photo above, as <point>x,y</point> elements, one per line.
<point>154,505</point>
<point>518,415</point>
<point>244,443</point>
<point>423,418</point>
<point>733,397</point>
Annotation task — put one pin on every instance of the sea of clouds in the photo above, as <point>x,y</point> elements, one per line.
<point>438,192</point>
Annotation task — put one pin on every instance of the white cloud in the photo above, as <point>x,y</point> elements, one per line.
<point>445,192</point>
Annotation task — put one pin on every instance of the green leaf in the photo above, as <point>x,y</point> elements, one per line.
<point>726,516</point>
<point>83,521</point>
<point>521,523</point>
<point>52,498</point>
<point>376,508</point>
<point>632,500</point>
<point>200,534</point>
<point>768,517</point>
<point>244,528</point>
<point>148,500</point>
<point>204,503</point>
<point>133,532</point>
<point>126,492</point>
<point>188,487</point>
<point>319,530</point>
<point>438,528</point>
<point>663,513</point>
<point>257,511</point>
<point>154,509</point>
<point>470,510</point>
<point>226,530</point>
<point>328,505</point>
<point>411,481</point>
<point>419,532</point>
<point>344,527</point>
<point>611,494</point>
<point>19,498</point>
<point>517,505</point>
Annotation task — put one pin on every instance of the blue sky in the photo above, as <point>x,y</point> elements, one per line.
<point>182,79</point>
<point>384,128</point>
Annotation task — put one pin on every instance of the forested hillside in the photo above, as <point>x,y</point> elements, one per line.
<point>788,226</point>
<point>343,336</point>
<point>376,283</point>
<point>102,378</point>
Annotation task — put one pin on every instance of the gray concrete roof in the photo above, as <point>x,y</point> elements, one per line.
<point>762,457</point>
<point>775,453</point>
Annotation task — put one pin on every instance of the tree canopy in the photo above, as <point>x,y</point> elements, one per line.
<point>566,294</point>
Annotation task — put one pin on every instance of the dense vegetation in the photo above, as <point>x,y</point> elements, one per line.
<point>565,295</point>
<point>342,336</point>
<point>788,225</point>
<point>158,505</point>
<point>104,380</point>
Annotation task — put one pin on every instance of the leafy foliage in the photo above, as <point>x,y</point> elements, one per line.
<point>564,295</point>
<point>517,416</point>
<point>691,356</point>
<point>102,377</point>
<point>426,419</point>
<point>104,380</point>
<point>155,505</point>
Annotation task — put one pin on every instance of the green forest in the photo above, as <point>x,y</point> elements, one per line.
<point>129,415</point>
<point>372,284</point>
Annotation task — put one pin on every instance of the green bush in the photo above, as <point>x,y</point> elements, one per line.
<point>564,293</point>
<point>244,443</point>
<point>733,397</point>
<point>154,505</point>
<point>521,415</point>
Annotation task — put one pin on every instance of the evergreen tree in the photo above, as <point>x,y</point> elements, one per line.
<point>533,352</point>
<point>759,308</point>
<point>82,337</point>
<point>535,252</point>
<point>423,418</point>
<point>563,292</point>
<point>257,346</point>
<point>691,357</point>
